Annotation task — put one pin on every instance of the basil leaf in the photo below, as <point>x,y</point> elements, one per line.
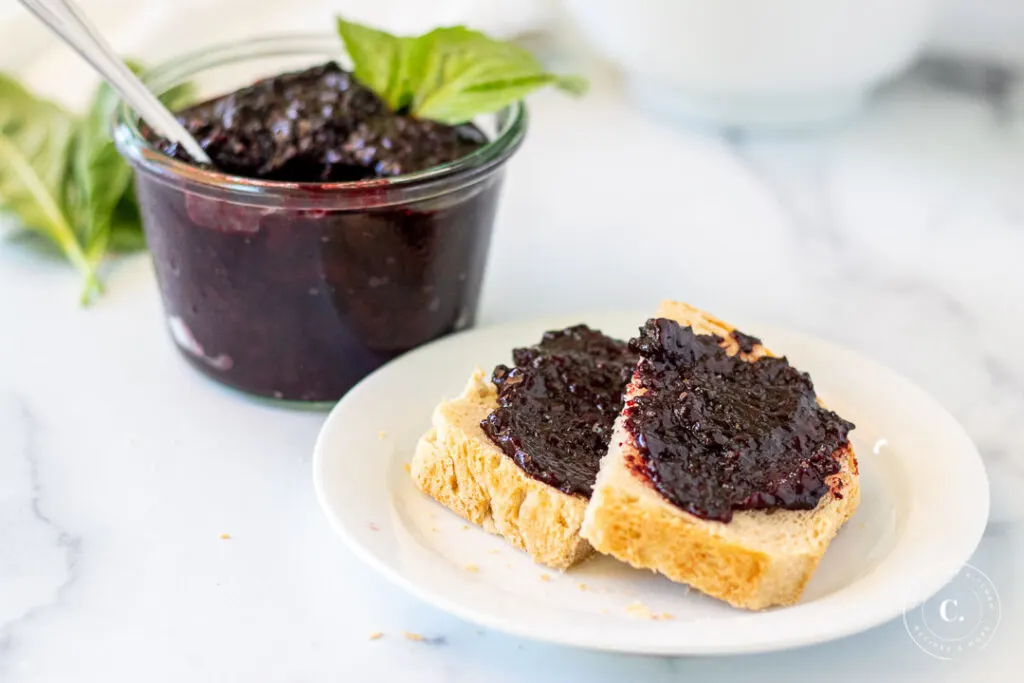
<point>448,75</point>
<point>457,106</point>
<point>572,85</point>
<point>378,60</point>
<point>399,96</point>
<point>99,176</point>
<point>126,226</point>
<point>467,74</point>
<point>62,178</point>
<point>179,97</point>
<point>34,138</point>
<point>99,196</point>
<point>36,135</point>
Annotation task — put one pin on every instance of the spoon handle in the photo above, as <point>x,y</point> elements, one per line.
<point>68,21</point>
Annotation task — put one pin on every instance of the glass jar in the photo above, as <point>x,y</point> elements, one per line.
<point>295,291</point>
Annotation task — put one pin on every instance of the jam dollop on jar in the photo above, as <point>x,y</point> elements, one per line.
<point>332,235</point>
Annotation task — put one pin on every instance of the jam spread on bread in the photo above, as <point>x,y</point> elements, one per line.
<point>717,434</point>
<point>318,125</point>
<point>558,403</point>
<point>745,341</point>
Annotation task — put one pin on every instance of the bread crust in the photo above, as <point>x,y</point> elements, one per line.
<point>759,559</point>
<point>459,466</point>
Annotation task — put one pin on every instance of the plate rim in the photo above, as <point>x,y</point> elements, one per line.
<point>853,624</point>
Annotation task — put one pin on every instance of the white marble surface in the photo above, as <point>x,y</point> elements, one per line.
<point>901,235</point>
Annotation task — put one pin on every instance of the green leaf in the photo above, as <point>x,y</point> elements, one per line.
<point>573,85</point>
<point>39,131</point>
<point>448,75</point>
<point>455,107</point>
<point>126,226</point>
<point>398,96</point>
<point>34,138</point>
<point>98,176</point>
<point>180,96</point>
<point>470,74</point>
<point>378,60</point>
<point>99,195</point>
<point>63,179</point>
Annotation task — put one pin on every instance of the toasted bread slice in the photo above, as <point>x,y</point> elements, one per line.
<point>459,466</point>
<point>758,559</point>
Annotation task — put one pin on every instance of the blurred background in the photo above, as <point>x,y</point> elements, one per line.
<point>748,62</point>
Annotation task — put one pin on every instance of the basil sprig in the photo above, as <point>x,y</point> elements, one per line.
<point>62,178</point>
<point>449,75</point>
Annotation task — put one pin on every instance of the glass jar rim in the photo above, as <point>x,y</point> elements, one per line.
<point>134,146</point>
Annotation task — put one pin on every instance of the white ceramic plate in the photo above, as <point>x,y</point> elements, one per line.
<point>923,509</point>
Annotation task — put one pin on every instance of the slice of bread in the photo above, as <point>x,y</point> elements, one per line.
<point>459,466</point>
<point>758,559</point>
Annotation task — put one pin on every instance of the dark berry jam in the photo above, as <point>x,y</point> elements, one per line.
<point>718,434</point>
<point>317,125</point>
<point>298,294</point>
<point>557,406</point>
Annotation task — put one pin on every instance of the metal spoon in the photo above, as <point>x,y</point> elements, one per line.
<point>69,22</point>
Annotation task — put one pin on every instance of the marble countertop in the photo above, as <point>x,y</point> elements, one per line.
<point>900,235</point>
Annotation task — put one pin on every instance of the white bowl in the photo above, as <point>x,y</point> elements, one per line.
<point>755,63</point>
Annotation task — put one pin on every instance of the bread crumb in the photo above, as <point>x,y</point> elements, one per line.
<point>407,467</point>
<point>409,635</point>
<point>545,577</point>
<point>376,635</point>
<point>508,566</point>
<point>225,537</point>
<point>582,586</point>
<point>382,434</point>
<point>465,527</point>
<point>492,551</point>
<point>604,611</point>
<point>471,568</point>
<point>664,616</point>
<point>434,529</point>
<point>638,610</point>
